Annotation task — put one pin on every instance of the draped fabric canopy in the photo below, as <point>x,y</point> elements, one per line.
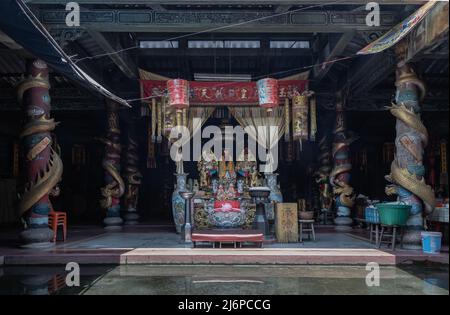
<point>193,125</point>
<point>261,120</point>
<point>266,128</point>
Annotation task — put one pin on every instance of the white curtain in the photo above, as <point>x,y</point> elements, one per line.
<point>193,125</point>
<point>261,122</point>
<point>257,117</point>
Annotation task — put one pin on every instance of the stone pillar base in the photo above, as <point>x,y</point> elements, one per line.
<point>37,238</point>
<point>343,224</point>
<point>343,228</point>
<point>412,239</point>
<point>113,223</point>
<point>131,218</point>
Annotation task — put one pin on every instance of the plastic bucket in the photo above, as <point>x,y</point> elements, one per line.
<point>431,242</point>
<point>393,213</point>
<point>371,215</point>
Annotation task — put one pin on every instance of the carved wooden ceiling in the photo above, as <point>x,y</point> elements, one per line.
<point>332,31</point>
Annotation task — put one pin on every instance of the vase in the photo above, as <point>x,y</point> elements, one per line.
<point>240,186</point>
<point>178,203</point>
<point>275,193</point>
<point>215,185</point>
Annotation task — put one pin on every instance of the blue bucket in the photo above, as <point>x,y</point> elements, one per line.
<point>372,215</point>
<point>431,242</point>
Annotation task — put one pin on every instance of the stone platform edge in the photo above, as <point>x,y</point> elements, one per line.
<point>168,256</point>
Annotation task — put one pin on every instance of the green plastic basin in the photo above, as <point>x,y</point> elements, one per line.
<point>393,213</point>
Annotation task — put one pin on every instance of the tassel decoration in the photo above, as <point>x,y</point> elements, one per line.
<point>159,115</point>
<point>313,119</point>
<point>287,114</point>
<point>153,125</point>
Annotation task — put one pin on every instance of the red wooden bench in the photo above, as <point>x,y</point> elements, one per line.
<point>235,236</point>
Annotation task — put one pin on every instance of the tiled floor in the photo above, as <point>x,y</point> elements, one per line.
<point>172,240</point>
<point>160,244</point>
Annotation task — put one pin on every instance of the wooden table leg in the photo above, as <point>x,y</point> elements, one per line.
<point>301,232</point>
<point>376,233</point>
<point>381,237</point>
<point>394,237</point>
<point>401,236</point>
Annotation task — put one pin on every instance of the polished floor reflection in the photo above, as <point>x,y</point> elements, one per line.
<point>225,280</point>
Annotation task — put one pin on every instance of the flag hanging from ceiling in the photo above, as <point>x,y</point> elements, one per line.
<point>398,32</point>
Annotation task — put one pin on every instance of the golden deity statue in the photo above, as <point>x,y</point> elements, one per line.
<point>226,169</point>
<point>222,169</point>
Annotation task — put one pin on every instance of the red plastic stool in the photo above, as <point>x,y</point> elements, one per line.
<point>56,219</point>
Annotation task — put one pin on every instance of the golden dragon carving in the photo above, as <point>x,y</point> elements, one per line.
<point>115,189</point>
<point>42,124</point>
<point>402,176</point>
<point>323,173</point>
<point>344,190</point>
<point>131,169</point>
<point>46,181</point>
<point>31,82</point>
<point>132,174</point>
<point>43,184</point>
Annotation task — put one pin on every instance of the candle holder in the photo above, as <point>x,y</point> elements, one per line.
<point>186,229</point>
<point>260,196</point>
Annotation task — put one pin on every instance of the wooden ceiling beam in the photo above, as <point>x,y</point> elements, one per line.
<point>187,21</point>
<point>121,59</point>
<point>334,48</point>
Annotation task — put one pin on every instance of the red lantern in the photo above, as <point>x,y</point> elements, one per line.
<point>268,93</point>
<point>178,93</point>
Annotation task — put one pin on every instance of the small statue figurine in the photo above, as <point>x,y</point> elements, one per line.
<point>195,187</point>
<point>231,192</point>
<point>215,185</point>
<point>221,193</point>
<point>204,183</point>
<point>254,177</point>
<point>231,174</point>
<point>222,169</point>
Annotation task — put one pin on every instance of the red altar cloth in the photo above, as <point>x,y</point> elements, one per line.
<point>223,93</point>
<point>228,205</point>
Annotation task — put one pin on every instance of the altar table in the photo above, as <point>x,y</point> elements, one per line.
<point>235,236</point>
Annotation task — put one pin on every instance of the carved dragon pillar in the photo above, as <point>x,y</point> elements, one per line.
<point>132,178</point>
<point>340,175</point>
<point>115,186</point>
<point>323,173</point>
<point>407,170</point>
<point>43,167</point>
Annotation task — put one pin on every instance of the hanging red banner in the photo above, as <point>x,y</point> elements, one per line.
<point>223,93</point>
